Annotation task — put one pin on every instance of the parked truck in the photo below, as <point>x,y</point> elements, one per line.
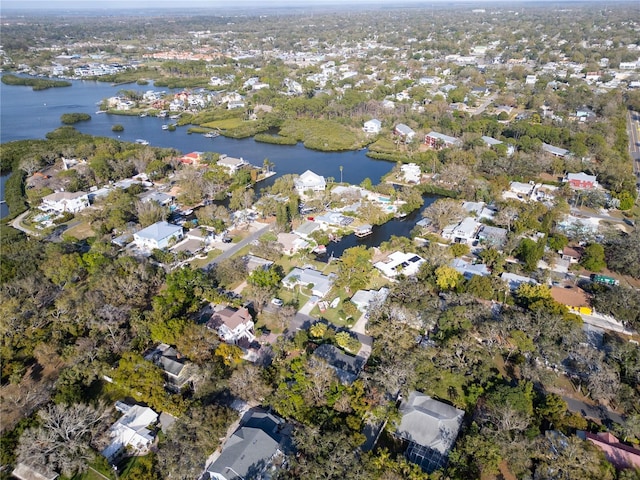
<point>604,280</point>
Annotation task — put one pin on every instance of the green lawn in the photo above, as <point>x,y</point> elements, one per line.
<point>201,262</point>
<point>225,124</point>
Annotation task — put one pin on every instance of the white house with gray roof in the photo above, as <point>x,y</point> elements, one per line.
<point>158,235</point>
<point>61,202</point>
<point>430,428</point>
<point>310,181</point>
<point>319,282</point>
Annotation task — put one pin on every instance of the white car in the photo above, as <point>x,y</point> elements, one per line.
<point>277,302</point>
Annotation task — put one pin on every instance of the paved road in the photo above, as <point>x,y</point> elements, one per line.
<point>583,213</point>
<point>633,128</point>
<point>238,246</point>
<point>606,323</point>
<point>592,411</point>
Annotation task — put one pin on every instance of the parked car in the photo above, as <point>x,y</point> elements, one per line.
<point>277,302</point>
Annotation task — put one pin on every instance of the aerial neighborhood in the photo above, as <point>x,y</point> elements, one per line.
<point>394,247</point>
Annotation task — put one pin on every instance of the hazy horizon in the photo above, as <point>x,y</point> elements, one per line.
<point>75,5</point>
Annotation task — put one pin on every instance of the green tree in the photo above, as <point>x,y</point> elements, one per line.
<point>266,278</point>
<point>448,278</point>
<point>593,258</point>
<point>530,253</point>
<point>354,268</point>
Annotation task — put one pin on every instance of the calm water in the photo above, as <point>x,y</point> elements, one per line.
<point>26,114</point>
<point>4,210</point>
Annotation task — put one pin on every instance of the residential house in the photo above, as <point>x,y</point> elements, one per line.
<point>574,298</point>
<point>172,364</point>
<point>495,237</point>
<point>555,151</point>
<point>347,367</point>
<point>131,431</point>
<point>233,325</point>
<point>231,164</point>
<point>468,269</point>
<point>29,472</point>
<point>411,172</point>
<point>581,180</point>
<point>522,190</point>
<point>479,209</point>
<point>333,219</point>
<point>620,455</point>
<point>306,229</point>
<point>161,198</point>
<point>309,181</point>
<point>372,126</point>
<point>430,428</point>
<point>319,283</point>
<point>363,299</point>
<point>585,113</point>
<point>254,450</point>
<point>514,281</point>
<point>158,235</point>
<point>192,158</point>
<point>61,202</point>
<point>571,254</point>
<point>463,232</point>
<point>492,142</point>
<point>400,263</point>
<point>291,243</point>
<point>530,80</point>
<point>438,140</point>
<point>252,263</point>
<point>404,132</point>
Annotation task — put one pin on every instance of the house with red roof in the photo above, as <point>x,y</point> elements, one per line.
<point>192,158</point>
<point>620,455</point>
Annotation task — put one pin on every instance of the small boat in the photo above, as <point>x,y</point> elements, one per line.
<point>142,141</point>
<point>212,134</point>
<point>98,112</point>
<point>142,115</point>
<point>363,231</point>
<point>165,127</point>
<point>174,117</point>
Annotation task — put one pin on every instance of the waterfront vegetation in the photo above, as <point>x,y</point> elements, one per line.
<point>71,118</point>
<point>36,83</point>
<point>274,139</point>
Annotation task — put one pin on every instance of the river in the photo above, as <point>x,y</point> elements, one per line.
<point>28,114</point>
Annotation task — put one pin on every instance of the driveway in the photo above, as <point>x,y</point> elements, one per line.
<point>239,246</point>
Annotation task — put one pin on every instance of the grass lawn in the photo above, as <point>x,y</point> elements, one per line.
<point>201,262</point>
<point>225,124</point>
<point>293,297</point>
<point>81,231</point>
<point>270,321</point>
<point>325,135</point>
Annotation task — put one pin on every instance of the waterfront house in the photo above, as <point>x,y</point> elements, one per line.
<point>404,132</point>
<point>233,325</point>
<point>61,202</point>
<point>291,243</point>
<point>400,263</point>
<point>411,172</point>
<point>306,229</point>
<point>159,235</point>
<point>429,428</point>
<point>231,164</point>
<point>372,126</point>
<point>310,181</point>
